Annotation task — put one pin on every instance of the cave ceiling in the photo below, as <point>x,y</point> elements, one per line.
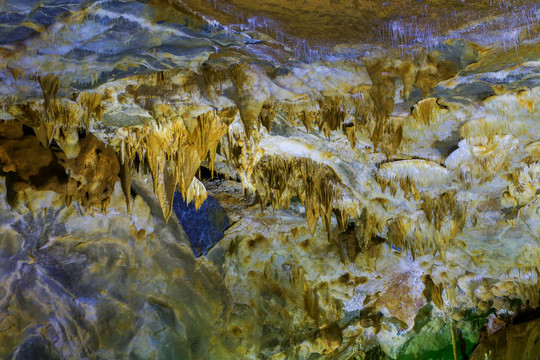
<point>273,179</point>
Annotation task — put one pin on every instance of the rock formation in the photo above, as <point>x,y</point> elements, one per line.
<point>349,179</point>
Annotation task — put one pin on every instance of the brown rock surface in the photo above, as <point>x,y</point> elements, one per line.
<point>90,177</point>
<point>520,342</point>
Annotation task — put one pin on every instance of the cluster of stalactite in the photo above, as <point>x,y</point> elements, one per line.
<point>242,152</point>
<point>426,112</point>
<point>214,78</point>
<point>173,155</point>
<point>174,147</point>
<point>277,179</point>
<point>59,153</point>
<point>58,119</point>
<point>443,293</point>
<point>354,116</point>
<point>89,176</point>
<point>424,74</point>
<point>445,217</point>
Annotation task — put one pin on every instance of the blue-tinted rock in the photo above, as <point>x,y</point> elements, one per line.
<point>47,16</point>
<point>204,227</point>
<point>11,18</point>
<point>37,348</point>
<point>20,33</point>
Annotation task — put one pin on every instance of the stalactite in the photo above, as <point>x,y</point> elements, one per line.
<point>396,137</point>
<point>331,115</point>
<point>50,84</point>
<point>213,78</point>
<point>433,292</point>
<point>91,103</point>
<point>367,228</point>
<point>397,232</point>
<point>427,77</point>
<point>382,93</point>
<point>248,104</point>
<point>350,132</point>
<point>267,115</point>
<point>307,119</point>
<point>277,179</point>
<point>197,193</point>
<point>125,178</point>
<point>407,72</point>
<point>174,155</point>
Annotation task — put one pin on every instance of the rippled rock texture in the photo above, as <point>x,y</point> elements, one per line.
<point>87,285</point>
<point>269,180</point>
